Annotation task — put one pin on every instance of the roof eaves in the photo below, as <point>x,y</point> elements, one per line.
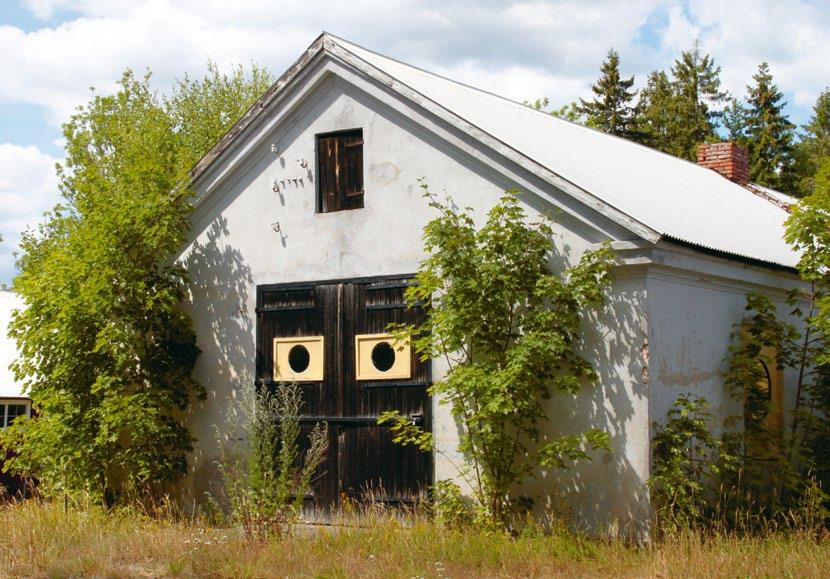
<point>730,255</point>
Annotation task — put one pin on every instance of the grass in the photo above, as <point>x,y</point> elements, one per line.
<point>41,539</point>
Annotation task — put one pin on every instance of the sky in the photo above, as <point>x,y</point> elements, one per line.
<point>52,52</point>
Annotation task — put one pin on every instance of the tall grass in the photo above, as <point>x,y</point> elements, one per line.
<point>43,538</point>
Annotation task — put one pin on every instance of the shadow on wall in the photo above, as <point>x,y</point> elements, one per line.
<point>220,283</point>
<point>608,493</point>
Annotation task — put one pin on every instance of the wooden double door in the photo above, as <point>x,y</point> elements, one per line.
<point>362,462</point>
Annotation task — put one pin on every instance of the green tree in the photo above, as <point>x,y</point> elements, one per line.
<point>770,134</point>
<point>611,109</point>
<point>205,108</point>
<point>697,94</point>
<point>735,122</point>
<point>509,330</point>
<point>808,230</point>
<point>768,466</point>
<point>813,150</point>
<point>569,112</point>
<point>778,458</point>
<point>761,477</point>
<point>656,124</point>
<point>106,352</point>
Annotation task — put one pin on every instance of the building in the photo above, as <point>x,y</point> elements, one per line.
<point>308,226</point>
<point>13,402</point>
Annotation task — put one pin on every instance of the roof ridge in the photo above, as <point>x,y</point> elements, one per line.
<point>520,106</point>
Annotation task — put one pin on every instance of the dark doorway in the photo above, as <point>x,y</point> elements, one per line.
<point>363,463</point>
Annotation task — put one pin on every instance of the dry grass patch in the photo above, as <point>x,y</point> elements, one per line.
<point>40,539</point>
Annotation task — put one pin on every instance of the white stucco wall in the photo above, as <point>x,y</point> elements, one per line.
<point>608,493</point>
<point>234,249</point>
<point>694,303</point>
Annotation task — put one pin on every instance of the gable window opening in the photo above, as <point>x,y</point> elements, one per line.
<point>340,171</point>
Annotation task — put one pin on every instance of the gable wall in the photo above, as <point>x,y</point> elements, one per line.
<point>235,249</point>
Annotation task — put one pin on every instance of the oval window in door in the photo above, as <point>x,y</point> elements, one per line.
<point>383,356</point>
<point>298,358</point>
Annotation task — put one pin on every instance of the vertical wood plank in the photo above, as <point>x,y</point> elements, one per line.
<point>362,462</point>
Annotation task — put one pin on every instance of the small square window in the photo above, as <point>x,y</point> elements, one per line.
<point>340,171</point>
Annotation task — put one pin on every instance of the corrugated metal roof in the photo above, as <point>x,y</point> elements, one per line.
<point>9,388</point>
<point>674,197</point>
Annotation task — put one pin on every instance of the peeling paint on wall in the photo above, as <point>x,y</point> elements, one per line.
<point>385,173</point>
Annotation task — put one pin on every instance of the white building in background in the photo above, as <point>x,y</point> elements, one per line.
<point>308,226</point>
<point>13,402</point>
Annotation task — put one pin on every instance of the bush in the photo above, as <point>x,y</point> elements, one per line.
<point>266,488</point>
<point>684,451</point>
<point>509,329</point>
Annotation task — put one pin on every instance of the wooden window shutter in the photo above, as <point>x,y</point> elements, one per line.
<point>327,174</point>
<point>340,171</point>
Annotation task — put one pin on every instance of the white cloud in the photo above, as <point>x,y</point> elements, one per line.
<point>55,66</point>
<point>679,32</point>
<point>524,84</point>
<point>791,36</point>
<point>43,9</point>
<point>28,187</point>
<point>46,9</point>
<point>532,46</point>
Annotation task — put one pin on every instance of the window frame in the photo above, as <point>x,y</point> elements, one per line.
<point>346,200</point>
<point>5,403</point>
<point>768,358</point>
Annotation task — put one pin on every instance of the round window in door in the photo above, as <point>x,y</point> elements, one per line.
<point>382,357</point>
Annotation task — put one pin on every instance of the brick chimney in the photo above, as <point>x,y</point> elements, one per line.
<point>728,159</point>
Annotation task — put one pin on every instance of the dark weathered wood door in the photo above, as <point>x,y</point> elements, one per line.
<point>363,463</point>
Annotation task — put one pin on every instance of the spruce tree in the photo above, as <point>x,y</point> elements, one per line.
<point>611,109</point>
<point>734,121</point>
<point>813,151</point>
<point>655,123</point>
<point>570,112</point>
<point>818,129</point>
<point>696,87</point>
<point>770,134</point>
